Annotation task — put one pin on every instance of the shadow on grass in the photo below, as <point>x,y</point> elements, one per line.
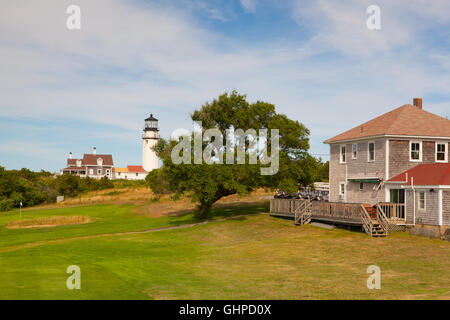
<point>223,211</point>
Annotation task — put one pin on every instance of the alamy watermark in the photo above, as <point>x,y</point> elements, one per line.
<point>74,280</point>
<point>73,22</point>
<point>374,20</point>
<point>235,139</point>
<point>374,280</point>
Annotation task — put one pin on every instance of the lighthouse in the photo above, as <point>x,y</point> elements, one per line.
<point>149,140</point>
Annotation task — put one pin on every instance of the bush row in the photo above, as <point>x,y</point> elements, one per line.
<point>33,188</point>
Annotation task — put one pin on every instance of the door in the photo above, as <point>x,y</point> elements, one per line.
<point>397,199</point>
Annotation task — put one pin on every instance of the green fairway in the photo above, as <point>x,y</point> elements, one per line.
<point>246,257</point>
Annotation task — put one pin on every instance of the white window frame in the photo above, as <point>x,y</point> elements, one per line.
<point>91,172</point>
<point>340,153</point>
<point>99,172</point>
<point>343,194</point>
<point>420,151</point>
<point>354,151</point>
<point>445,154</point>
<point>424,200</point>
<point>368,151</point>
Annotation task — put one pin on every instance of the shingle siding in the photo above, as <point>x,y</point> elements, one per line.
<point>429,216</point>
<point>399,155</point>
<point>357,168</point>
<point>446,208</point>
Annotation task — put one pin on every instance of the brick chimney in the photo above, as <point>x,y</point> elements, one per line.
<point>417,102</point>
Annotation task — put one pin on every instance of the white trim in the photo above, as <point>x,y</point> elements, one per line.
<point>440,199</point>
<point>420,150</point>
<point>354,157</point>
<point>424,200</point>
<point>345,191</point>
<point>445,154</point>
<point>368,151</point>
<point>387,161</point>
<point>406,137</point>
<point>427,187</point>
<point>340,153</point>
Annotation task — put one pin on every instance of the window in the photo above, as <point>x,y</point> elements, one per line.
<point>354,151</point>
<point>99,161</point>
<point>91,171</point>
<point>118,174</point>
<point>422,200</point>
<point>99,172</point>
<point>415,153</point>
<point>343,150</point>
<point>361,186</point>
<point>441,152</point>
<point>371,151</point>
<point>342,189</point>
<point>137,174</point>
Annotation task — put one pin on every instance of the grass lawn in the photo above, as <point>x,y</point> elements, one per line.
<point>250,257</point>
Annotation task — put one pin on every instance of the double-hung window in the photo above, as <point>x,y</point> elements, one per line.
<point>441,152</point>
<point>354,151</point>
<point>415,151</point>
<point>422,200</point>
<point>371,151</point>
<point>343,153</point>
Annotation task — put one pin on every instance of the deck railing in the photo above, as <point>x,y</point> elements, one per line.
<point>382,219</point>
<point>394,211</point>
<point>337,210</point>
<point>366,220</point>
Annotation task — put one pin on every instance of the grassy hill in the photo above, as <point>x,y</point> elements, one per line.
<point>129,247</point>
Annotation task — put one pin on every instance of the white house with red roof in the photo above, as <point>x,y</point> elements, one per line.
<point>130,173</point>
<point>398,161</point>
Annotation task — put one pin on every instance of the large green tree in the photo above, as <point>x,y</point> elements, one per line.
<point>207,183</point>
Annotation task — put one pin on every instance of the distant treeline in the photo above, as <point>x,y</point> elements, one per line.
<point>33,188</point>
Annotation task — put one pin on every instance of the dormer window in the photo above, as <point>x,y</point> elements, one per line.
<point>99,161</point>
<point>78,163</point>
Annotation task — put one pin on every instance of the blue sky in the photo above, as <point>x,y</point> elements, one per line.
<point>63,91</point>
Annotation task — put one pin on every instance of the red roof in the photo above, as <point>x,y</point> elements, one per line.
<point>135,169</point>
<point>91,160</point>
<point>406,120</point>
<point>432,174</point>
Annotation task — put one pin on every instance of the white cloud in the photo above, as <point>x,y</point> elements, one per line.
<point>248,5</point>
<point>127,61</point>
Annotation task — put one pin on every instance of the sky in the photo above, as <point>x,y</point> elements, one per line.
<point>67,90</point>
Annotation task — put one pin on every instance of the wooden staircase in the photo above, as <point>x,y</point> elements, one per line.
<point>303,213</point>
<point>374,221</point>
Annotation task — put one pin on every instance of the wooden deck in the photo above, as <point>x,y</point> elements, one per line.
<point>331,212</point>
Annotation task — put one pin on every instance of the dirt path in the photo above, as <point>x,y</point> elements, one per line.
<point>57,241</point>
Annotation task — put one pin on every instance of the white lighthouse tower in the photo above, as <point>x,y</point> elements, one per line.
<point>149,139</point>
